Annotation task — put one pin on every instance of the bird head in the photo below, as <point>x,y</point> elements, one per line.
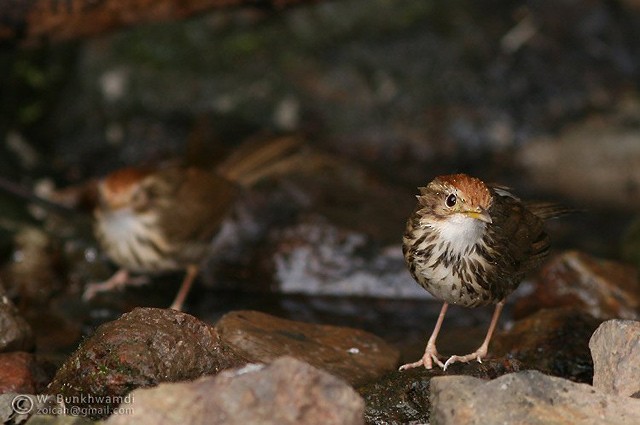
<point>456,196</point>
<point>122,188</point>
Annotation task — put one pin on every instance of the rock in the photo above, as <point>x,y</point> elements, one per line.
<point>553,341</point>
<point>286,391</point>
<point>351,354</point>
<point>315,256</point>
<point>605,289</point>
<point>148,346</point>
<point>19,373</point>
<point>615,348</point>
<point>559,164</point>
<point>403,397</point>
<point>15,332</point>
<point>527,397</point>
<point>140,349</point>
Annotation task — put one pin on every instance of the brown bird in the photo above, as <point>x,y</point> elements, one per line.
<point>158,220</point>
<point>471,244</point>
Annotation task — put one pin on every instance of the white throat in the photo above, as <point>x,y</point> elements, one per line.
<point>461,231</point>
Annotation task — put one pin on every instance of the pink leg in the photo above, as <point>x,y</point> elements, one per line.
<point>481,352</point>
<point>119,280</point>
<point>430,352</point>
<point>192,272</point>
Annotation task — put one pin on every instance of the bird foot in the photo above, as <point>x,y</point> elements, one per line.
<point>118,281</point>
<point>430,356</point>
<point>477,355</point>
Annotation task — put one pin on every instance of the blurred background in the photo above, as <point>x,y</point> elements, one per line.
<point>541,96</point>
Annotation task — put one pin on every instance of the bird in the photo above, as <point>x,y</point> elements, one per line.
<point>471,244</point>
<point>151,220</point>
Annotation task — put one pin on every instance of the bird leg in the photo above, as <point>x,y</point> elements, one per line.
<point>119,280</point>
<point>481,352</point>
<point>430,352</point>
<point>192,272</point>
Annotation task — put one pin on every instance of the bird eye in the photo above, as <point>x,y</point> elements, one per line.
<point>451,200</point>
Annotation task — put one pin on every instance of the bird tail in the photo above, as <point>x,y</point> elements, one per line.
<point>258,159</point>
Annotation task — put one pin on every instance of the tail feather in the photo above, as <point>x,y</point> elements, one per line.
<point>548,210</point>
<point>258,159</point>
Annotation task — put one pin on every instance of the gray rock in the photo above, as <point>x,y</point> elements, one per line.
<point>403,397</point>
<point>287,391</point>
<point>528,397</point>
<point>615,348</point>
<point>15,332</point>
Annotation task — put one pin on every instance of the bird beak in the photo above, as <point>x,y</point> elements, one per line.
<point>479,214</point>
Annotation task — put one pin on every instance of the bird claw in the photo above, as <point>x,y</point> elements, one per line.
<point>430,356</point>
<point>118,281</point>
<point>477,355</point>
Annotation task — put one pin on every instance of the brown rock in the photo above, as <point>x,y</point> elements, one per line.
<point>615,348</point>
<point>15,332</point>
<point>527,397</point>
<point>148,346</point>
<point>606,289</point>
<point>403,397</point>
<point>287,391</point>
<point>351,354</point>
<point>553,341</point>
<point>16,373</point>
<point>140,349</point>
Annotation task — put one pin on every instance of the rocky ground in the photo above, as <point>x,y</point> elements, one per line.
<point>566,363</point>
<point>307,312</point>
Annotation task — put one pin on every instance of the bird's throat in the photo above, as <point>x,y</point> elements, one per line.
<point>459,232</point>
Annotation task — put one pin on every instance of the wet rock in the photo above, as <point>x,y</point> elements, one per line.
<point>140,349</point>
<point>15,332</point>
<point>20,373</point>
<point>526,397</point>
<point>287,391</point>
<point>559,164</point>
<point>553,341</point>
<point>148,346</point>
<point>615,347</point>
<point>605,289</point>
<point>351,354</point>
<point>403,397</point>
<point>315,256</point>
<point>330,247</point>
